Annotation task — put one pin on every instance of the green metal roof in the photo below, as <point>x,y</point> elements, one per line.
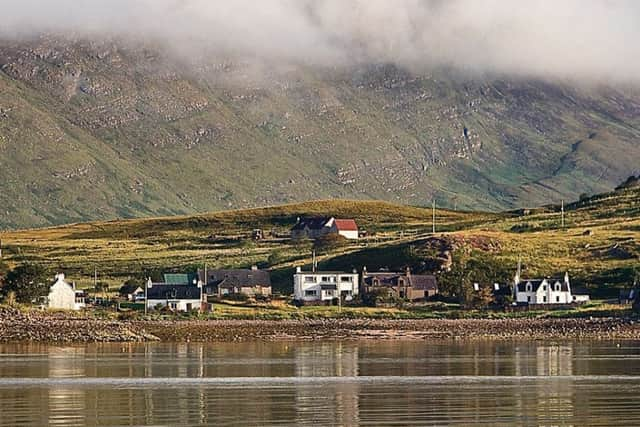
<point>180,279</point>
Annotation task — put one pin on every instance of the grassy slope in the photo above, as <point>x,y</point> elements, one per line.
<point>398,234</point>
<point>95,131</point>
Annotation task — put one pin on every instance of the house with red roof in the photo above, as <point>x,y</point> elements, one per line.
<point>313,228</point>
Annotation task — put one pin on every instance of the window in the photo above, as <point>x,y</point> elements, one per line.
<point>544,299</point>
<point>557,287</point>
<point>310,279</point>
<point>345,279</point>
<point>310,293</point>
<point>529,299</point>
<point>529,287</point>
<point>544,288</point>
<point>558,299</point>
<point>173,305</point>
<point>326,279</point>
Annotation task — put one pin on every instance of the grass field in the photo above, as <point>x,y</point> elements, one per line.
<point>598,245</point>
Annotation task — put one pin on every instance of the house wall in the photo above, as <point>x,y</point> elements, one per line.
<point>308,291</point>
<point>181,305</point>
<point>352,235</point>
<point>62,297</point>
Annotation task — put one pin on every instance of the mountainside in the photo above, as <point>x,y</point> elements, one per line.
<point>98,130</point>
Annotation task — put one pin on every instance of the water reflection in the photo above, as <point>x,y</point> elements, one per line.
<point>392,383</point>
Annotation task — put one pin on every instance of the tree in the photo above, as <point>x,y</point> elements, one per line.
<point>28,282</point>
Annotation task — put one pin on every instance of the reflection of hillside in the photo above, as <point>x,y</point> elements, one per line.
<point>338,403</point>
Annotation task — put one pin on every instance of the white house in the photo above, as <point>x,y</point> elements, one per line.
<point>324,286</point>
<point>547,291</point>
<point>64,296</point>
<point>186,297</point>
<point>313,228</point>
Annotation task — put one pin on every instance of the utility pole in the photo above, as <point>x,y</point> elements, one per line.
<point>433,211</point>
<point>314,262</point>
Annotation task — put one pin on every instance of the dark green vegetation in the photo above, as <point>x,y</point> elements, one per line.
<point>98,131</point>
<point>598,245</point>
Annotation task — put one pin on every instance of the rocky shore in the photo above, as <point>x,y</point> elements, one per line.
<point>17,326</point>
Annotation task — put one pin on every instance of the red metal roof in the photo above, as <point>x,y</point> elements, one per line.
<point>346,225</point>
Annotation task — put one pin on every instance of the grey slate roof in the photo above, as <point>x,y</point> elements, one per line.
<point>161,291</point>
<point>313,223</point>
<point>536,283</point>
<point>240,278</point>
<point>417,281</point>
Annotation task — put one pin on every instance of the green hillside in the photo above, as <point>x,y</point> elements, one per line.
<point>93,131</point>
<point>598,244</point>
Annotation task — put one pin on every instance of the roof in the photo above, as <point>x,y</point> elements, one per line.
<point>320,273</point>
<point>129,289</point>
<point>388,279</point>
<point>239,277</point>
<point>179,278</point>
<point>579,291</point>
<point>161,291</point>
<point>536,283</point>
<point>314,223</point>
<point>346,225</point>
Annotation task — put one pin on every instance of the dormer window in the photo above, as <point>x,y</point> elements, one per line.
<point>558,287</point>
<point>529,287</point>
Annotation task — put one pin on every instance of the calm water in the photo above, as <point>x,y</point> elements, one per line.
<point>377,383</point>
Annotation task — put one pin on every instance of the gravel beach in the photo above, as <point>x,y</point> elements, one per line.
<point>17,326</point>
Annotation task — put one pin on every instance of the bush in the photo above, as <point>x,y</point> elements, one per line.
<point>27,282</point>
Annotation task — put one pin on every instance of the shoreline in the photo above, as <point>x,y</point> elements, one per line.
<point>19,327</point>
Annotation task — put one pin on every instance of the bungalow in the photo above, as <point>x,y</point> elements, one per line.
<point>251,283</point>
<point>313,228</point>
<point>64,296</point>
<point>324,286</point>
<point>131,292</point>
<point>185,297</point>
<point>408,286</point>
<point>547,291</point>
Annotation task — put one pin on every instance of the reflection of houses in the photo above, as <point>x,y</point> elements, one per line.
<point>324,286</point>
<point>411,287</point>
<point>64,296</point>
<point>253,282</point>
<point>547,291</point>
<point>313,228</point>
<point>317,360</point>
<point>186,297</point>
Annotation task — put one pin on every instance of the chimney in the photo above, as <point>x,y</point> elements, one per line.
<point>298,270</point>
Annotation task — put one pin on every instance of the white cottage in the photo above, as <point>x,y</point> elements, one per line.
<point>64,296</point>
<point>547,291</point>
<point>184,298</point>
<point>324,286</point>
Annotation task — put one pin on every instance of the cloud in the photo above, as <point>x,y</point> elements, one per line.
<point>568,39</point>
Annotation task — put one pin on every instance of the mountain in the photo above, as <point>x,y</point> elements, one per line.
<point>100,130</point>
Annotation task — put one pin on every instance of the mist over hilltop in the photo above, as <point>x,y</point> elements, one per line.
<point>585,40</point>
